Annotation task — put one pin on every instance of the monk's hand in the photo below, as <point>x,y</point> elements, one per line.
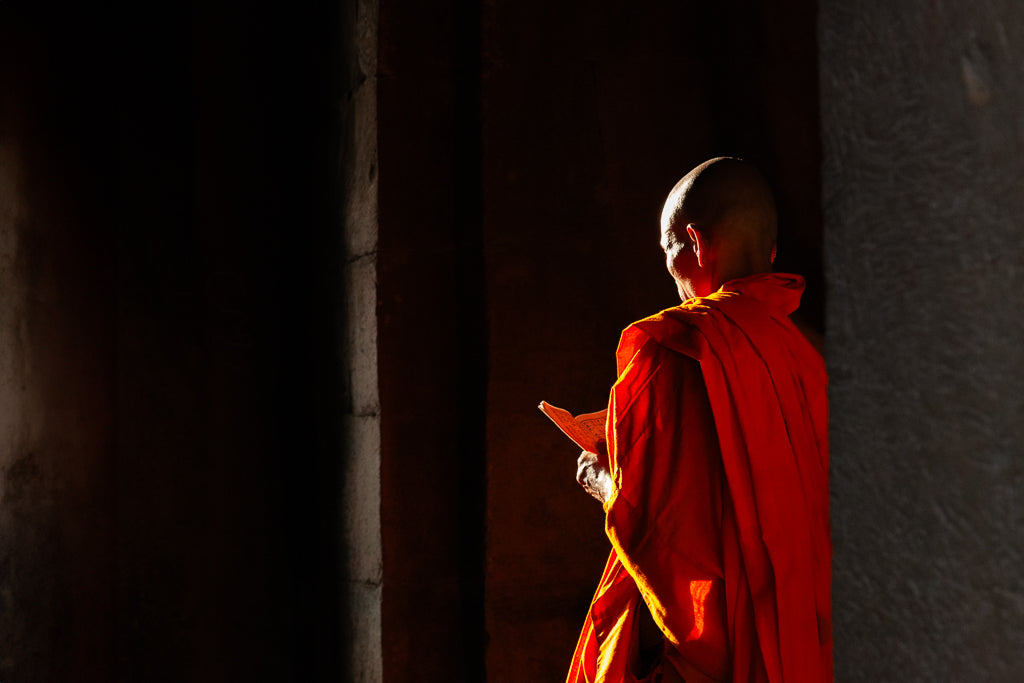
<point>593,475</point>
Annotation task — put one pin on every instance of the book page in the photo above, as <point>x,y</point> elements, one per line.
<point>593,423</point>
<point>586,430</point>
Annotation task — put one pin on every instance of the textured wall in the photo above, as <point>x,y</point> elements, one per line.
<point>923,176</point>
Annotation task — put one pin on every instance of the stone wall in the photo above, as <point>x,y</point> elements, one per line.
<point>923,204</point>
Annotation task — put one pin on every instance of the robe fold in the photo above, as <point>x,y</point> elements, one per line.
<point>718,450</point>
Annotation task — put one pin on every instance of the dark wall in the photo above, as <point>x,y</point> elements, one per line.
<point>170,260</point>
<point>57,333</point>
<point>432,342</point>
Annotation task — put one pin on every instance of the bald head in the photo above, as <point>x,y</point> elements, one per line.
<point>724,213</point>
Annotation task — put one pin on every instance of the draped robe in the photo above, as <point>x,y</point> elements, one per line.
<point>718,450</point>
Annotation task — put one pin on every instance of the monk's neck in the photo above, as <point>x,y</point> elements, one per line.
<point>736,268</point>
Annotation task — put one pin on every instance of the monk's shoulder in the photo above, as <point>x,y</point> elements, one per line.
<point>678,329</point>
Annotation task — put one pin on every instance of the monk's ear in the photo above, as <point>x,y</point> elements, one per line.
<point>699,243</point>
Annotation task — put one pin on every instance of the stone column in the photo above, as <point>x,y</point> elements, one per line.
<point>922,176</point>
<point>361,493</point>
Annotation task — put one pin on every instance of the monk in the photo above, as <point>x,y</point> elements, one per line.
<point>715,477</point>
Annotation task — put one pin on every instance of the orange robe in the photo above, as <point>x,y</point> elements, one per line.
<point>718,448</point>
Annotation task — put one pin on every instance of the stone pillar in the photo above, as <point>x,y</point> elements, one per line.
<point>922,175</point>
<point>361,490</point>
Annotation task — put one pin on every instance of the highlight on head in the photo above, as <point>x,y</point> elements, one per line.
<point>729,201</point>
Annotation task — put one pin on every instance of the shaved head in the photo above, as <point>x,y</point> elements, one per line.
<point>724,212</point>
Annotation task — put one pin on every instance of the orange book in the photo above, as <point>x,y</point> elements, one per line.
<point>586,429</point>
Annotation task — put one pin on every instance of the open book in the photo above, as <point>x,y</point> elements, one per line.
<point>586,430</point>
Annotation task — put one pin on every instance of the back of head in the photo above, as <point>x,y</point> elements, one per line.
<point>730,202</point>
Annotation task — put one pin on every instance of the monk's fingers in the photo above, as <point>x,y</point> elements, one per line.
<point>597,483</point>
<point>581,475</point>
<point>584,464</point>
<point>593,476</point>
